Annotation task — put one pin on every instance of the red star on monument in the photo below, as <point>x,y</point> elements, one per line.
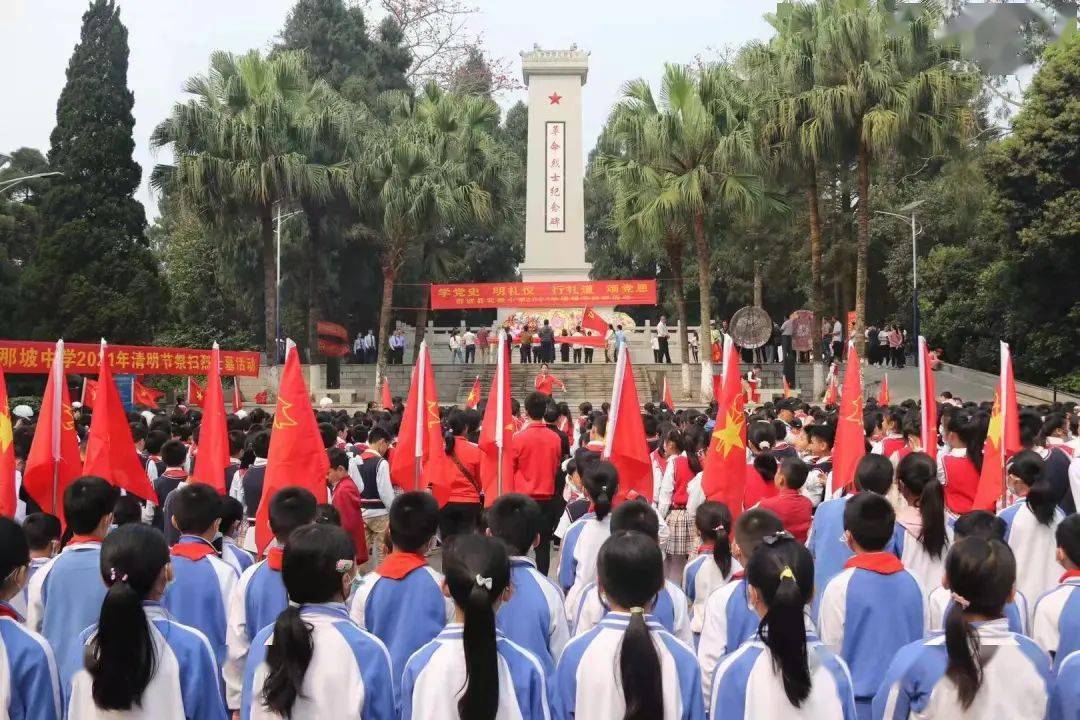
<point>554,98</point>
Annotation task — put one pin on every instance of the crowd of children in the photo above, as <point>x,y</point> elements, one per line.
<point>898,598</point>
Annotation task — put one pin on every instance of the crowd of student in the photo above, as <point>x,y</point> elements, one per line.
<point>897,599</point>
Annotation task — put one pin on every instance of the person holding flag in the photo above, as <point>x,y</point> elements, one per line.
<point>537,455</point>
<point>473,398</point>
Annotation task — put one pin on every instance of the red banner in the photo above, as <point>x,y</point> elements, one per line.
<point>543,294</point>
<point>26,356</point>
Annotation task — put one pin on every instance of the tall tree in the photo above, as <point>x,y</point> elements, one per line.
<point>93,274</point>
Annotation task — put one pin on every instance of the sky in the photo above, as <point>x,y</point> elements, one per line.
<point>171,40</point>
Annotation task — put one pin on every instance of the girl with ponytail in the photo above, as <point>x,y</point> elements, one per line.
<point>792,672</point>
<point>463,502</point>
<point>1031,523</point>
<point>470,671</point>
<point>583,538</point>
<point>683,464</point>
<point>714,566</point>
<point>977,668</point>
<point>137,662</point>
<point>926,536</point>
<point>314,644</point>
<point>628,667</point>
<point>760,481</point>
<point>958,468</point>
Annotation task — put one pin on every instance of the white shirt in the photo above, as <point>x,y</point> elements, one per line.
<point>382,484</point>
<point>469,337</point>
<point>662,329</point>
<point>837,331</point>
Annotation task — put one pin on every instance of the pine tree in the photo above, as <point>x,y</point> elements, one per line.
<point>94,275</point>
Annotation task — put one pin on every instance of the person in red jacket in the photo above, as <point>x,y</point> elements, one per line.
<point>546,382</point>
<point>461,469</point>
<point>345,497</point>
<point>792,507</point>
<point>537,454</point>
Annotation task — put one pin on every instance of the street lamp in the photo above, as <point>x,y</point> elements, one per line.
<point>915,231</point>
<point>16,181</point>
<point>277,282</point>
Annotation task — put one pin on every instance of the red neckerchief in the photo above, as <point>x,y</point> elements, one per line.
<point>192,550</point>
<point>274,557</point>
<point>398,564</point>
<point>738,575</point>
<point>883,563</point>
<point>84,539</point>
<point>704,549</point>
<point>1069,574</point>
<point>175,473</point>
<point>8,611</point>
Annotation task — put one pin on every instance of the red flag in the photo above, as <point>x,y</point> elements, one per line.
<point>724,474</point>
<point>626,446</point>
<point>196,394</point>
<point>928,402</point>
<point>213,455</point>
<point>667,395</point>
<point>297,457</point>
<point>497,431</point>
<point>1002,437</point>
<point>413,442</point>
<point>591,320</point>
<point>387,401</point>
<point>110,449</point>
<point>145,396</point>
<point>474,395</point>
<point>53,462</point>
<point>8,498</point>
<point>883,392</point>
<point>832,392</point>
<point>850,444</point>
<point>89,393</point>
<point>787,388</point>
<point>237,398</point>
<point>718,385</point>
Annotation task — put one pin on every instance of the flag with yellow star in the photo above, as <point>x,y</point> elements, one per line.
<point>497,431</point>
<point>850,444</point>
<point>474,395</point>
<point>724,477</point>
<point>1002,438</point>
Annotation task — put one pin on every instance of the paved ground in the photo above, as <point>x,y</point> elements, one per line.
<point>904,384</point>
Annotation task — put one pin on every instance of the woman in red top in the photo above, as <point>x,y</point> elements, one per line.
<point>959,467</point>
<point>546,382</point>
<point>683,465</point>
<point>464,506</point>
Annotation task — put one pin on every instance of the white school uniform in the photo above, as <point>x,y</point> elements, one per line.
<point>257,600</point>
<point>348,678</point>
<point>670,610</point>
<point>534,616</point>
<point>435,677</point>
<point>940,601</point>
<point>237,557</point>
<point>29,681</point>
<point>928,570</point>
<point>1065,698</point>
<point>1016,680</point>
<point>184,686</point>
<point>19,602</point>
<point>200,593</point>
<point>749,685</point>
<point>1035,548</point>
<point>1056,623</point>
<point>729,622</point>
<point>580,548</point>
<point>64,597</point>
<point>700,578</point>
<point>587,679</point>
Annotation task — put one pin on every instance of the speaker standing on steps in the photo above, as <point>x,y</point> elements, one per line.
<point>788,349</point>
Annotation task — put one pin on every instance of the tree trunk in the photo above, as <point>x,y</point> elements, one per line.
<point>389,271</point>
<point>759,285</point>
<point>701,244</point>
<point>421,327</point>
<point>862,246</point>
<point>675,252</point>
<point>269,263</point>
<point>316,282</point>
<point>817,295</point>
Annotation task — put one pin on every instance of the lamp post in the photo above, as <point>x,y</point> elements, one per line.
<point>15,181</point>
<point>277,279</point>
<point>915,230</point>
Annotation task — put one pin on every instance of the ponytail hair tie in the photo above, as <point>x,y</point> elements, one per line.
<point>116,576</point>
<point>962,601</point>
<point>637,611</point>
<point>343,566</point>
<point>787,573</point>
<point>484,582</point>
<point>764,444</point>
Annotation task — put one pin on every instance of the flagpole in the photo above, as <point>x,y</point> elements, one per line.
<point>57,406</point>
<point>500,368</point>
<point>420,409</point>
<point>1006,362</point>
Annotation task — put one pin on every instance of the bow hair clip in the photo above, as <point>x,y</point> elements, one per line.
<point>484,582</point>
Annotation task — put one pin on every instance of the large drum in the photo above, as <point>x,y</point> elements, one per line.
<point>750,327</point>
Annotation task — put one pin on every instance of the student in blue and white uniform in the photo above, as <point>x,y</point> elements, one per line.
<point>978,523</point>
<point>200,593</point>
<point>655,674</point>
<point>232,518</point>
<point>785,671</point>
<point>1065,698</point>
<point>1031,522</point>
<point>314,661</point>
<point>534,616</point>
<point>42,532</point>
<point>471,670</point>
<point>1056,623</point>
<point>926,537</point>
<point>29,684</point>
<point>260,594</point>
<point>65,595</point>
<point>580,545</point>
<point>729,620</point>
<point>713,566</point>
<point>402,601</point>
<point>939,677</point>
<point>874,607</point>
<point>670,606</point>
<point>137,661</point>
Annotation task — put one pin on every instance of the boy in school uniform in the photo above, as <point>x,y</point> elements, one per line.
<point>260,594</point>
<point>174,454</point>
<point>874,607</point>
<point>792,507</point>
<point>202,582</point>
<point>65,595</point>
<point>819,443</point>
<point>42,532</point>
<point>1056,623</point>
<point>403,601</point>
<point>534,616</point>
<point>231,514</point>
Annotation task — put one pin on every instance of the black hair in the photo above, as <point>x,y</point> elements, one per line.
<point>155,440</point>
<point>535,405</point>
<point>414,518</point>
<point>127,510</point>
<point>983,573</point>
<point>752,526</point>
<point>874,473</point>
<point>174,453</point>
<point>40,529</point>
<point>795,472</point>
<point>121,657</point>
<point>138,430</point>
<point>713,522</point>
<point>14,550</point>
<point>980,523</point>
<point>311,570</point>
<point>761,435</point>
<point>236,441</point>
<point>971,428</point>
<point>782,570</point>
<point>601,481</point>
<point>290,508</point>
<point>328,433</point>
<point>1067,536</point>
<point>467,560</point>
<point>1041,498</point>
<point>630,571</point>
<point>327,514</point>
<point>515,519</point>
<point>338,458</point>
<point>636,516</point>
<point>766,467</point>
<point>599,424</point>
<point>231,512</point>
<point>918,473</point>
<point>195,508</point>
<point>455,424</point>
<point>259,442</point>
<point>86,502</point>
<point>870,519</point>
<point>824,432</point>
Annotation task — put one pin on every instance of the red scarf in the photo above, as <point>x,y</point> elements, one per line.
<point>83,539</point>
<point>738,575</point>
<point>883,563</point>
<point>398,564</point>
<point>7,611</point>
<point>274,557</point>
<point>192,550</point>
<point>1068,575</point>
<point>705,549</point>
